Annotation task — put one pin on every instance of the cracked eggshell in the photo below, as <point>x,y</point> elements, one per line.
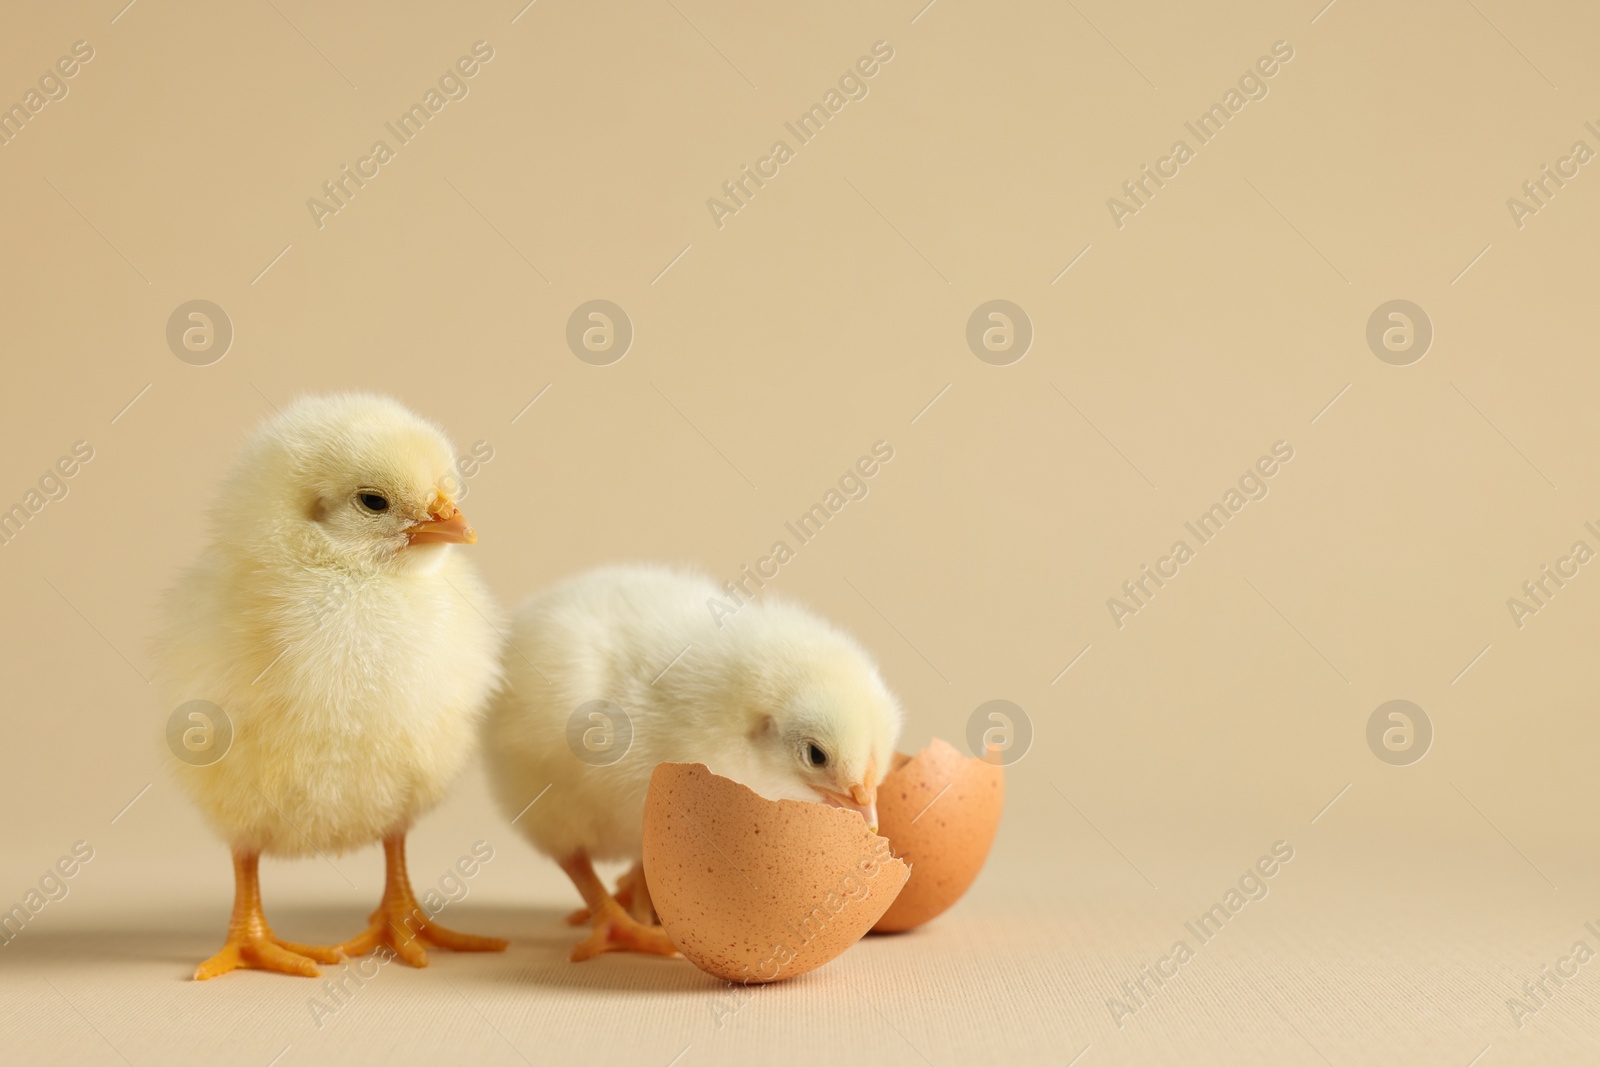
<point>754,890</point>
<point>945,838</point>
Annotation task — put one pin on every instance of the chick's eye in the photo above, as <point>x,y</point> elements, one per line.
<point>373,501</point>
<point>815,754</point>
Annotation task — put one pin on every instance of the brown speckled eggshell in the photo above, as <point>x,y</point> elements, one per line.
<point>948,844</point>
<point>756,890</point>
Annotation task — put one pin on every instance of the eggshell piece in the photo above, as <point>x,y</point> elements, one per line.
<point>754,890</point>
<point>943,833</point>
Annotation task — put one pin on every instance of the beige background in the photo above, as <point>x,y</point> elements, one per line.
<point>827,314</point>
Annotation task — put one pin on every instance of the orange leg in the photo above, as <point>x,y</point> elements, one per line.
<point>632,893</point>
<point>251,942</point>
<point>614,929</point>
<point>400,923</point>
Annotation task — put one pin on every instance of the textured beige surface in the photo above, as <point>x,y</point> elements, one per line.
<point>1169,355</point>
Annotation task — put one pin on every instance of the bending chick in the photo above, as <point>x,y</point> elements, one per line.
<point>775,698</point>
<point>351,647</point>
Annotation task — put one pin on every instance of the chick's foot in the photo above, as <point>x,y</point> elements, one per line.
<point>617,931</point>
<point>264,951</point>
<point>614,929</point>
<point>632,893</point>
<point>401,923</point>
<point>251,942</point>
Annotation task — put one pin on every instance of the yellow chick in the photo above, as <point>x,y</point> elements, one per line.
<point>774,697</point>
<point>352,648</point>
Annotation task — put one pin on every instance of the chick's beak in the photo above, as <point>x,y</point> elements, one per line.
<point>862,798</point>
<point>445,525</point>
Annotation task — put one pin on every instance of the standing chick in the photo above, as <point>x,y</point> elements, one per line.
<point>350,646</point>
<point>775,698</point>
